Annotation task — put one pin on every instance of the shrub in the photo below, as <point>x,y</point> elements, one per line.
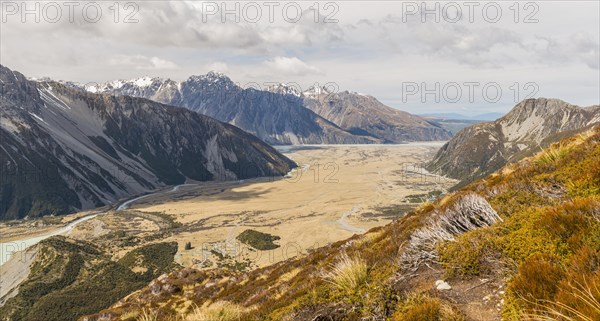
<point>587,297</point>
<point>348,274</point>
<point>258,240</point>
<point>468,254</point>
<point>537,280</point>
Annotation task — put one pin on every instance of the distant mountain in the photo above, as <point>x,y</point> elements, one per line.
<point>365,115</point>
<point>532,124</point>
<point>486,116</point>
<point>275,118</point>
<point>64,149</point>
<point>283,115</point>
<point>452,124</point>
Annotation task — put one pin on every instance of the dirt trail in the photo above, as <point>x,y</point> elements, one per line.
<point>346,226</point>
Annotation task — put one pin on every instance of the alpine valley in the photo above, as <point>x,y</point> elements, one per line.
<point>153,200</point>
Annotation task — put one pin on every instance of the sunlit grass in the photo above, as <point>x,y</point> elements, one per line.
<point>218,311</point>
<point>146,315</point>
<point>348,274</point>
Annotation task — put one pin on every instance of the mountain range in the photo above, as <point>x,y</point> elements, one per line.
<point>531,125</point>
<point>63,149</point>
<point>282,115</point>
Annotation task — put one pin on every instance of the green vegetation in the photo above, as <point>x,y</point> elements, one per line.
<point>258,240</point>
<point>421,198</point>
<point>155,259</point>
<point>69,279</point>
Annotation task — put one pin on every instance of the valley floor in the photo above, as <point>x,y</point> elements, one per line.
<point>337,191</point>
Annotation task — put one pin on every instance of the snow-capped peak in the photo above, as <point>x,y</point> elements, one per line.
<point>211,76</point>
<point>144,81</point>
<point>285,89</point>
<point>314,91</point>
<point>140,83</point>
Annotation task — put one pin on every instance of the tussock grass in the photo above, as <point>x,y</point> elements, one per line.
<point>553,153</point>
<point>348,274</point>
<point>146,315</point>
<point>218,311</point>
<point>423,307</point>
<point>131,315</point>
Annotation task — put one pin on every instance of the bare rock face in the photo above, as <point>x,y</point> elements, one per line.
<point>531,125</point>
<point>63,149</point>
<point>275,117</point>
<point>365,115</point>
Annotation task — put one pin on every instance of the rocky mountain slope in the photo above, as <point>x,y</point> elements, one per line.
<point>63,149</point>
<point>272,117</point>
<point>365,115</point>
<point>521,244</point>
<point>283,115</point>
<point>481,149</point>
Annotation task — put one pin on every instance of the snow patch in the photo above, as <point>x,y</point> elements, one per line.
<point>143,82</point>
<point>38,118</point>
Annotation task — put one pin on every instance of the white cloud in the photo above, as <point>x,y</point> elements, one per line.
<point>218,66</point>
<point>141,62</point>
<point>292,66</point>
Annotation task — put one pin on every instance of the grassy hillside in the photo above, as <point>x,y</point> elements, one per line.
<point>69,279</point>
<point>522,244</point>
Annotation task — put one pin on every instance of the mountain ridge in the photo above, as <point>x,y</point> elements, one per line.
<point>283,114</point>
<point>532,124</point>
<point>81,150</point>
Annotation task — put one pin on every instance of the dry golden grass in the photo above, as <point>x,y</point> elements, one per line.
<point>218,311</point>
<point>348,274</point>
<point>145,315</point>
<point>422,307</point>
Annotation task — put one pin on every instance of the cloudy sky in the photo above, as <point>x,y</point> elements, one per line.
<point>476,58</point>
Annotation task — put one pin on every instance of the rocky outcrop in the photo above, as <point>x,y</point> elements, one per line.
<point>63,149</point>
<point>531,125</point>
